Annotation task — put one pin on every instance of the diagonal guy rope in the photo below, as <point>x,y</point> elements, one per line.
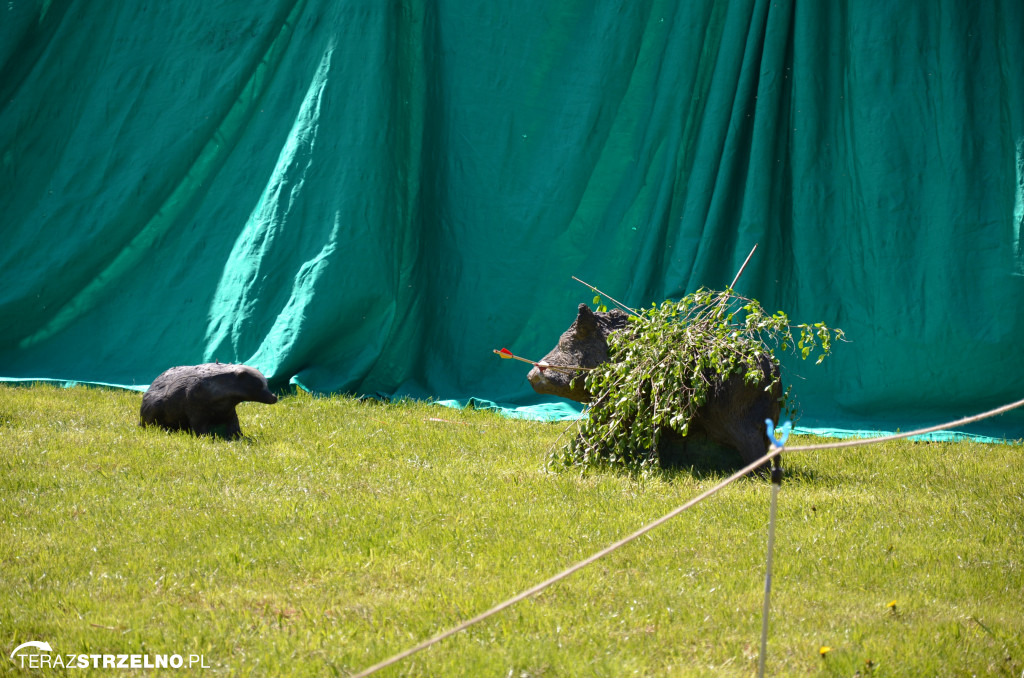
<point>772,453</point>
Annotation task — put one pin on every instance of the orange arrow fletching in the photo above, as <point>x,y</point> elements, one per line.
<point>505,353</point>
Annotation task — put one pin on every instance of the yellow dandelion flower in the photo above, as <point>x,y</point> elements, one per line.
<point>824,650</point>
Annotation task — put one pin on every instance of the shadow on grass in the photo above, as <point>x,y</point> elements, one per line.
<point>700,458</point>
<point>220,434</point>
<point>695,457</point>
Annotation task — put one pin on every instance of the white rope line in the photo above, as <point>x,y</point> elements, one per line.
<point>772,453</point>
<point>565,573</point>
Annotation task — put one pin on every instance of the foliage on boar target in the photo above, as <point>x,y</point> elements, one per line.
<point>683,366</point>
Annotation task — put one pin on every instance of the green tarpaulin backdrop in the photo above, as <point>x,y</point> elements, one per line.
<point>370,197</point>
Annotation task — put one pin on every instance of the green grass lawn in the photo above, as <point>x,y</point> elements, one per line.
<point>340,532</point>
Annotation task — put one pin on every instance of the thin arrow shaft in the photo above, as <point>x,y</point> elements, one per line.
<point>557,368</point>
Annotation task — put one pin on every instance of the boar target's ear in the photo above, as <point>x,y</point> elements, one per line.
<point>586,321</point>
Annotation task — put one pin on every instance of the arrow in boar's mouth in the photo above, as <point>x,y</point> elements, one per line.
<point>508,355</point>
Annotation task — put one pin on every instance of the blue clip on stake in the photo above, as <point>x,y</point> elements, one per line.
<point>784,430</point>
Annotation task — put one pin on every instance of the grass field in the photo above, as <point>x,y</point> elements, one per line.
<point>340,532</point>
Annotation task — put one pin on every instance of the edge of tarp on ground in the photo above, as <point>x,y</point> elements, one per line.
<point>568,412</point>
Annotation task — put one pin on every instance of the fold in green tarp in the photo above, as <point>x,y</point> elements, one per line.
<point>370,197</point>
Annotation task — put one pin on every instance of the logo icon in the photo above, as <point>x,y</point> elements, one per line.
<point>32,643</point>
